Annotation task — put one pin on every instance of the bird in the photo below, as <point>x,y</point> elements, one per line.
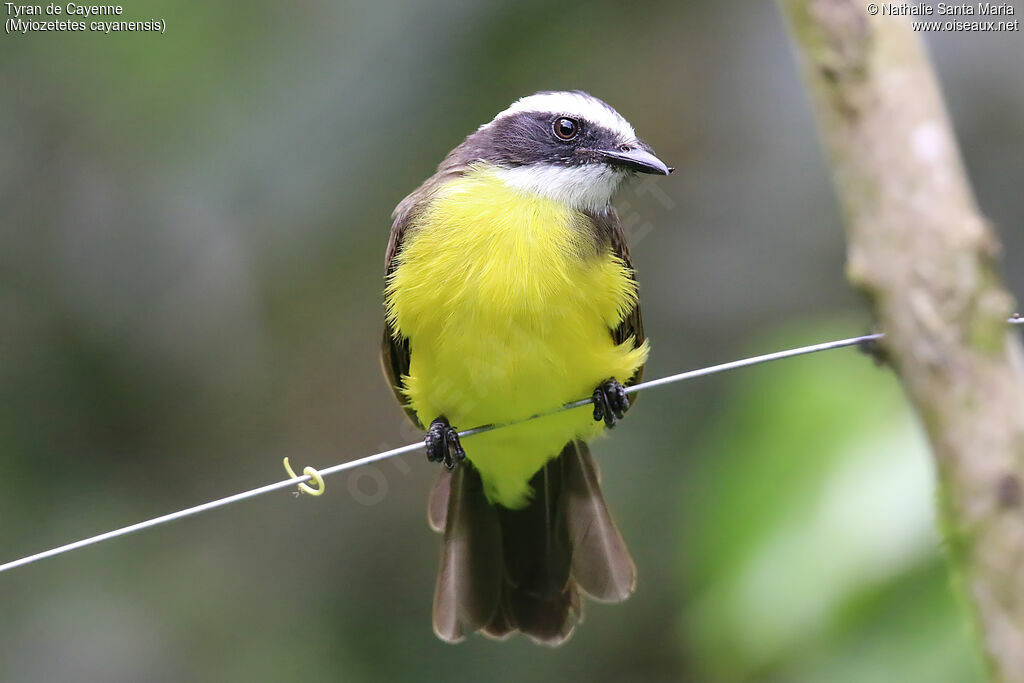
<point>509,292</point>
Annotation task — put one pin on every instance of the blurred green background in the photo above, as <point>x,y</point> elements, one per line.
<point>192,229</point>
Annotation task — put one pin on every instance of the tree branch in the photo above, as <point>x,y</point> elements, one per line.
<point>920,250</point>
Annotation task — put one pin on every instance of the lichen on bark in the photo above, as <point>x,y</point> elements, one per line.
<point>918,246</point>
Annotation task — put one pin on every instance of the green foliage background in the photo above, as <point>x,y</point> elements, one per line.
<point>192,229</point>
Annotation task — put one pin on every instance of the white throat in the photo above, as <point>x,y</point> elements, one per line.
<point>587,187</point>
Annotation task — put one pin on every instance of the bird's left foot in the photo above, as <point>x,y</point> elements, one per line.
<point>610,402</point>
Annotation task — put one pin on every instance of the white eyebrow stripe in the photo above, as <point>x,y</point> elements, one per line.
<point>572,104</point>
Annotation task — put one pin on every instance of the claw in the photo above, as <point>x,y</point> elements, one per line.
<point>610,402</point>
<point>443,445</point>
<point>600,404</point>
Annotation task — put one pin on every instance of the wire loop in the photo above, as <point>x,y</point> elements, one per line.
<point>314,476</point>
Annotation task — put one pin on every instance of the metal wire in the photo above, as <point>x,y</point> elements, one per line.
<point>410,448</point>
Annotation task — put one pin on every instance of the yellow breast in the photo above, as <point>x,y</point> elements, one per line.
<point>507,300</point>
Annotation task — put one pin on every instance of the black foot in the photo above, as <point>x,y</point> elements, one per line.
<point>610,402</point>
<point>443,446</point>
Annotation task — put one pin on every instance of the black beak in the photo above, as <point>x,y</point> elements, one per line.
<point>636,159</point>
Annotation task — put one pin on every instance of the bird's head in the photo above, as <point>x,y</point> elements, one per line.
<point>567,146</point>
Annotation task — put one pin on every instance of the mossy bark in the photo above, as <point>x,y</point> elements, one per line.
<point>928,261</point>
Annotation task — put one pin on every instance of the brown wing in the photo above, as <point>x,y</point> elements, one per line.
<point>394,360</point>
<point>395,353</point>
<point>394,350</point>
<point>609,229</point>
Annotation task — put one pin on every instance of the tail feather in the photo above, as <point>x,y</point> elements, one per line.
<point>535,539</point>
<point>601,564</point>
<point>521,570</point>
<point>538,588</point>
<point>469,581</point>
<point>548,620</point>
<point>437,505</point>
<point>502,625</point>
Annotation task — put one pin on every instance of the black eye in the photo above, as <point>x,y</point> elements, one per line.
<point>566,128</point>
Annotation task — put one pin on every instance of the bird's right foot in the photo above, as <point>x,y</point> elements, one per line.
<point>443,445</point>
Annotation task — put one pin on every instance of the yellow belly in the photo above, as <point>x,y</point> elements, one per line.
<point>507,303</point>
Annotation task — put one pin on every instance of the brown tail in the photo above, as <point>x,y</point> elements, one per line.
<point>506,570</point>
